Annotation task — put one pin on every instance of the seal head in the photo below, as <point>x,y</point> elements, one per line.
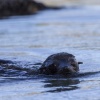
<point>60,63</point>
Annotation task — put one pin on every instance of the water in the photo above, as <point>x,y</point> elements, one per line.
<point>31,39</point>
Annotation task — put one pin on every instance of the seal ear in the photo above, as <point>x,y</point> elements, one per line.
<point>80,62</point>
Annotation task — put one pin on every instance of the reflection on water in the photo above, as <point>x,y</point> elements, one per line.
<point>11,79</point>
<point>61,85</point>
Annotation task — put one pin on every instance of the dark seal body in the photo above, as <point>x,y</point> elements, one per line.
<point>60,63</point>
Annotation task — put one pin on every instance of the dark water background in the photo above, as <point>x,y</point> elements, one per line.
<point>30,39</point>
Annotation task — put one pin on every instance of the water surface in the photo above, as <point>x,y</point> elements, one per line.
<point>30,39</point>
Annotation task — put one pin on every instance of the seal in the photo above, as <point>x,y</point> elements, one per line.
<point>60,63</point>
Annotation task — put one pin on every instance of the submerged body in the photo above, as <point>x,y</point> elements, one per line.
<point>60,63</point>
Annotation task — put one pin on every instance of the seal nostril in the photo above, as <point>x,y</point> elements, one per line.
<point>75,66</point>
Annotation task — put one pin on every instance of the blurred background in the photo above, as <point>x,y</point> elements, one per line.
<point>70,2</point>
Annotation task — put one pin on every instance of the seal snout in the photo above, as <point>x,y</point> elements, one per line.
<point>67,70</point>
